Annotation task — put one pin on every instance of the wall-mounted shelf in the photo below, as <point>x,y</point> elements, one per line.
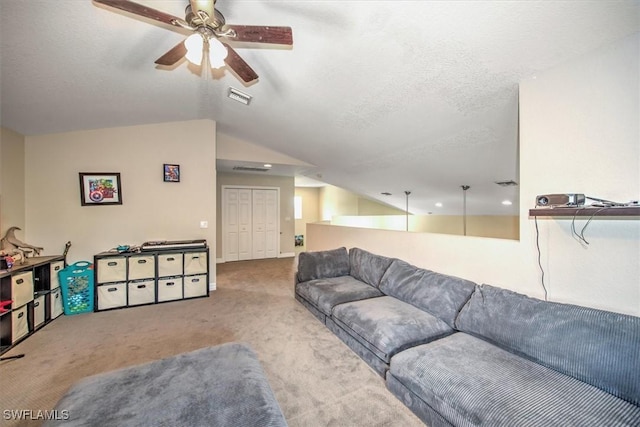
<point>587,211</point>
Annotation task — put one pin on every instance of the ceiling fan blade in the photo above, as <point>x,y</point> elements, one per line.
<point>174,55</point>
<point>262,34</point>
<point>239,66</point>
<point>138,9</point>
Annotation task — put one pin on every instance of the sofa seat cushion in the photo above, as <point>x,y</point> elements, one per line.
<point>325,294</point>
<point>387,325</point>
<point>595,346</point>
<point>472,382</point>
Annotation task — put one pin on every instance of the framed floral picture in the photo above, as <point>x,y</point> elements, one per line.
<point>171,173</point>
<point>100,188</point>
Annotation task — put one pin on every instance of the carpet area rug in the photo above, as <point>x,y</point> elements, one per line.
<point>317,380</point>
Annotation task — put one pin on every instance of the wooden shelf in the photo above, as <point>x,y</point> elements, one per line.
<point>587,211</point>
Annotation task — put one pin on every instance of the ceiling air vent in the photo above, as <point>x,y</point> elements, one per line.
<point>249,169</point>
<point>507,183</point>
<point>241,97</point>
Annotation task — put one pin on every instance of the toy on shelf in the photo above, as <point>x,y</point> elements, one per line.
<point>11,245</point>
<point>3,304</point>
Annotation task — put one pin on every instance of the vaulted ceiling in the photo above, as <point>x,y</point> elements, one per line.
<point>377,96</point>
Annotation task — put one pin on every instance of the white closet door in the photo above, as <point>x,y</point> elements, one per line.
<point>259,225</point>
<point>244,223</point>
<point>271,223</point>
<point>231,226</point>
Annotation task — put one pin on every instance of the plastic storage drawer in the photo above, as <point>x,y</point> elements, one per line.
<point>113,295</point>
<point>142,292</point>
<point>195,286</point>
<point>19,323</point>
<point>169,289</point>
<point>142,267</point>
<point>170,265</point>
<point>195,262</point>
<point>112,269</point>
<point>22,288</point>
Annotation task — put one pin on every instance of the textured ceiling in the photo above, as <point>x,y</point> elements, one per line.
<point>379,96</point>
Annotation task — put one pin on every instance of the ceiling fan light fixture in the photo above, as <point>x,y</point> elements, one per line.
<point>194,44</point>
<point>217,53</point>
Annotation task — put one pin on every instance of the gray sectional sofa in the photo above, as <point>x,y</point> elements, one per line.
<point>461,354</point>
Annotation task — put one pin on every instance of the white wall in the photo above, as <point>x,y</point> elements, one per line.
<point>151,210</point>
<point>579,132</point>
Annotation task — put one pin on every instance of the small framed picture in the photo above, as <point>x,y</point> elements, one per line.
<point>100,188</point>
<point>171,173</point>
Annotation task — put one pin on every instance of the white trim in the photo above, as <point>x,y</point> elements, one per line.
<point>224,215</point>
<point>287,255</point>
<point>212,286</point>
<point>220,261</point>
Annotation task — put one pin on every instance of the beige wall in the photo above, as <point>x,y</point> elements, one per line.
<point>579,132</point>
<point>497,226</point>
<point>12,178</point>
<point>310,211</point>
<point>151,208</point>
<point>336,201</point>
<point>286,185</point>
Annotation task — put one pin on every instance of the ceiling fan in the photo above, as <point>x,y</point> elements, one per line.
<point>208,26</point>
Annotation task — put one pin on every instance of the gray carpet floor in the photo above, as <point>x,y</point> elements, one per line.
<point>317,380</point>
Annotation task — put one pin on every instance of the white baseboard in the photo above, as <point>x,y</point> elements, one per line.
<point>212,286</point>
<point>287,255</point>
<point>219,260</point>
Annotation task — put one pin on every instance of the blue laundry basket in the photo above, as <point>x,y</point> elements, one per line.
<point>76,282</point>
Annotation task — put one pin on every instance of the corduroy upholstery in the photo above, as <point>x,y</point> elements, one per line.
<point>471,382</point>
<point>439,294</point>
<point>459,354</point>
<point>598,347</point>
<point>325,294</point>
<point>387,325</point>
<point>323,264</point>
<point>367,267</point>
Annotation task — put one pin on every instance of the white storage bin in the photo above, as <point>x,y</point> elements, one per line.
<point>22,288</point>
<point>19,323</point>
<point>169,289</point>
<point>38,311</point>
<point>170,265</point>
<point>142,267</point>
<point>195,263</point>
<point>55,302</point>
<point>195,286</point>
<point>54,280</point>
<point>112,269</point>
<point>142,292</point>
<point>112,295</point>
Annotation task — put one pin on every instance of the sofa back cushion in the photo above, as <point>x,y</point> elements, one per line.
<point>438,294</point>
<point>368,267</point>
<point>323,264</point>
<point>598,347</point>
